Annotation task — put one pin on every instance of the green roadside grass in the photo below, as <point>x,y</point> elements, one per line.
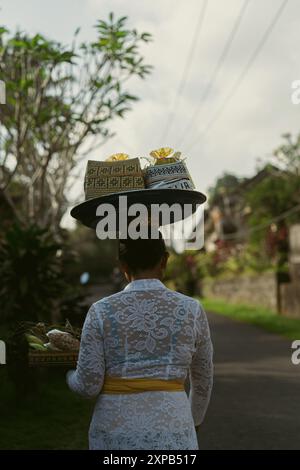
<point>259,316</point>
<point>51,418</point>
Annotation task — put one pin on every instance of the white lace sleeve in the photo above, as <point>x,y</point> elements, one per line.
<point>201,370</point>
<point>87,379</point>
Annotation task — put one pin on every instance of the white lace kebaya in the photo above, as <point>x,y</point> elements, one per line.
<point>145,331</point>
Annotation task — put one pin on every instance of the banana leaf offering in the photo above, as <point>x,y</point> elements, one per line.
<point>52,344</point>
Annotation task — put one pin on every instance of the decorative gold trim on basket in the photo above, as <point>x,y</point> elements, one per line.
<point>52,358</point>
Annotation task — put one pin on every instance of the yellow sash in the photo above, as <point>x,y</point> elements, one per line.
<point>119,385</point>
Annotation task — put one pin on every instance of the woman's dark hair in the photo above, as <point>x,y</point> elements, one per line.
<point>141,253</point>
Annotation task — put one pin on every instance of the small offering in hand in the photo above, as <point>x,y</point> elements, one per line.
<point>63,341</point>
<point>49,345</point>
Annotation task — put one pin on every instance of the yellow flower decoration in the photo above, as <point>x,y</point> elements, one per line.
<point>164,155</point>
<point>161,153</point>
<point>117,157</point>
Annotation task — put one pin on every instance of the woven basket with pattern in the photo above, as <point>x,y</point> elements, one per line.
<point>111,177</point>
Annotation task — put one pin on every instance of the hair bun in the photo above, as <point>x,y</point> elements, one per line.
<point>141,253</point>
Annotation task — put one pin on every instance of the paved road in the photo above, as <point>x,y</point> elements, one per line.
<point>256,397</point>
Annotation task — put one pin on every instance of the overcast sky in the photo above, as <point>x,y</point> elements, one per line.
<point>252,122</point>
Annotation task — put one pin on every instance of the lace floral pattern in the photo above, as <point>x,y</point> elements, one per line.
<point>146,330</point>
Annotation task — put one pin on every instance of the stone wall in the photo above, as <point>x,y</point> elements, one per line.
<point>260,290</point>
<point>253,290</point>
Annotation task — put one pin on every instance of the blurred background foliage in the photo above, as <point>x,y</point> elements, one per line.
<point>61,103</point>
